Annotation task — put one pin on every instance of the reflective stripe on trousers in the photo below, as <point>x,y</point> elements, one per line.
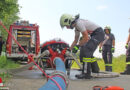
<point>127,62</point>
<point>108,64</point>
<point>89,59</point>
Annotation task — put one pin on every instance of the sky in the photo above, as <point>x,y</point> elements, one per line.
<point>47,13</point>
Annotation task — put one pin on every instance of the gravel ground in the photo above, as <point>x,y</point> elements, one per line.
<point>32,81</point>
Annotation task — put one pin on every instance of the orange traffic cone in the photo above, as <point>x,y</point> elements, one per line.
<point>2,87</point>
<point>1,83</point>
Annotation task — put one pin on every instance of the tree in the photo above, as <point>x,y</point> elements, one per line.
<point>9,10</point>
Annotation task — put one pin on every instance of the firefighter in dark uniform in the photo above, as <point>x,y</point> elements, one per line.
<point>127,71</point>
<point>107,47</point>
<point>87,45</point>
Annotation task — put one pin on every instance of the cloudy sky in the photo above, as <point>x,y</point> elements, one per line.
<point>46,13</point>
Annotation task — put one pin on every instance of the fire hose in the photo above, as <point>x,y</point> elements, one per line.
<point>23,68</point>
<point>59,76</point>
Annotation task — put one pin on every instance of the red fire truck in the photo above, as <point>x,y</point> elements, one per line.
<point>27,36</point>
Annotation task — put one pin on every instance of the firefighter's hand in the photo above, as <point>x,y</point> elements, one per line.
<point>75,49</point>
<point>100,50</point>
<point>126,46</point>
<point>112,49</point>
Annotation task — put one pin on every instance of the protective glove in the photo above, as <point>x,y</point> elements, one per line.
<point>112,49</point>
<point>126,46</point>
<point>100,50</point>
<point>75,49</point>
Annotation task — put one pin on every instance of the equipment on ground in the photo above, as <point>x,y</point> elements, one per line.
<point>107,88</point>
<point>55,48</point>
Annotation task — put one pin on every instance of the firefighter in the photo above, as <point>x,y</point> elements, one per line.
<point>107,47</point>
<point>127,46</point>
<point>88,45</point>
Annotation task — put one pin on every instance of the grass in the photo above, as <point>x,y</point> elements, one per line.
<point>5,77</point>
<point>118,64</point>
<point>7,63</point>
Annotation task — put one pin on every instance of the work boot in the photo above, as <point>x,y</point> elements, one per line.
<point>95,67</point>
<point>88,76</point>
<point>106,68</point>
<point>110,68</point>
<point>127,71</point>
<point>80,76</point>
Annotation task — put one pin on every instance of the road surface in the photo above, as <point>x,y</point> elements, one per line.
<point>33,79</point>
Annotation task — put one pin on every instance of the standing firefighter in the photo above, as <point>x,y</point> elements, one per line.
<point>107,47</point>
<point>127,71</point>
<point>89,45</point>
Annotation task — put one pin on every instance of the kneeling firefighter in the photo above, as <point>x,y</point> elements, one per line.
<point>87,45</point>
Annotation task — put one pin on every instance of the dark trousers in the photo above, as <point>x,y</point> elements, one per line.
<point>128,60</point>
<point>88,49</point>
<point>107,57</point>
<point>0,51</point>
<point>128,53</point>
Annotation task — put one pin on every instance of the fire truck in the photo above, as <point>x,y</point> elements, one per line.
<point>27,36</point>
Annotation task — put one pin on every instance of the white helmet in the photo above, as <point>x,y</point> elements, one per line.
<point>108,28</point>
<point>67,19</point>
